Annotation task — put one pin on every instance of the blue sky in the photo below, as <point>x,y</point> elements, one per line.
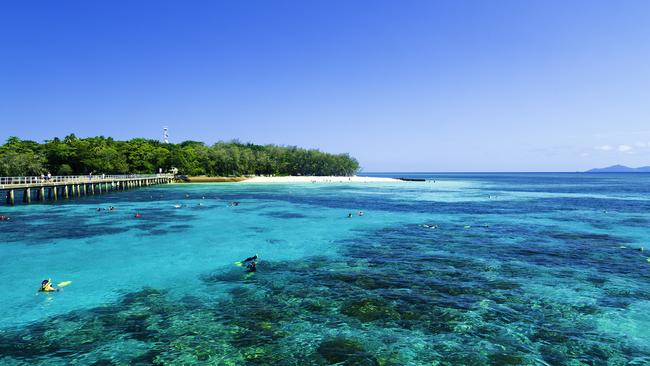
<point>401,85</point>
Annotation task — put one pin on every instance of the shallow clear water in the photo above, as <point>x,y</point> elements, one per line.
<point>519,269</point>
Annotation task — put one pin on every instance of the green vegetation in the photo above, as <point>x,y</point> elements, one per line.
<point>98,155</point>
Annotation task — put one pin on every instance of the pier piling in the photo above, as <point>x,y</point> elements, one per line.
<point>51,188</point>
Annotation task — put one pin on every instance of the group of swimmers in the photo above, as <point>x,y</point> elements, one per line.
<point>46,285</point>
<point>110,208</point>
<point>180,206</point>
<point>250,263</point>
<point>360,213</point>
<point>432,226</point>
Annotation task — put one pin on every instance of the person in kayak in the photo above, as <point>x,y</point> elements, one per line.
<point>46,286</point>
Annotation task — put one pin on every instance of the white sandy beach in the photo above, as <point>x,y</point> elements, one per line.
<point>320,179</point>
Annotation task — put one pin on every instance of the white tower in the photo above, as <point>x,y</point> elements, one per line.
<point>165,135</point>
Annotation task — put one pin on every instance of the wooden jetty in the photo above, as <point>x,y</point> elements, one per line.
<point>55,187</point>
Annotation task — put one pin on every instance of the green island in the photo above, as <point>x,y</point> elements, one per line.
<point>75,156</point>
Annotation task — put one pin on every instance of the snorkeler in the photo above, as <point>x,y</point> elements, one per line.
<point>250,262</point>
<point>250,259</point>
<point>46,286</point>
<point>251,267</point>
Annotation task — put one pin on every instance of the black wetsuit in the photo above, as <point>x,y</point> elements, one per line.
<point>250,259</point>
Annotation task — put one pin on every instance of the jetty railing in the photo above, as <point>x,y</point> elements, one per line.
<point>67,186</point>
<point>75,179</point>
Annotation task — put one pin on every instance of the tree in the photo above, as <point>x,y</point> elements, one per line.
<point>73,155</point>
<point>19,158</point>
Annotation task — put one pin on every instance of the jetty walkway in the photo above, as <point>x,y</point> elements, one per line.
<point>55,187</point>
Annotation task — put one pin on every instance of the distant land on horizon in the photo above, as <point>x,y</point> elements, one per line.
<point>620,169</point>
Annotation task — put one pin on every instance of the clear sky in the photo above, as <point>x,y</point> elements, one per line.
<point>401,85</point>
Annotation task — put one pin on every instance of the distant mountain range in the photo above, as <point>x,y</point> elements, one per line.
<point>620,169</point>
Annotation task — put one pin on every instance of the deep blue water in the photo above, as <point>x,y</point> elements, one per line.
<point>463,269</point>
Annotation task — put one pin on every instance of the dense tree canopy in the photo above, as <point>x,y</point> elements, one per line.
<point>99,155</point>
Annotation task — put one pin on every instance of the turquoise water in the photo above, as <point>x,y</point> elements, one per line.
<point>464,269</point>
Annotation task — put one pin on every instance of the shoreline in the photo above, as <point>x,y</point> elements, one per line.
<point>293,179</point>
<point>321,179</point>
<point>206,179</point>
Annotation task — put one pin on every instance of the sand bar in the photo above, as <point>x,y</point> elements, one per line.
<point>320,179</point>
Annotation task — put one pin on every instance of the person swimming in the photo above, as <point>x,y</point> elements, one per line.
<point>4,218</point>
<point>250,259</point>
<point>350,215</point>
<point>251,263</point>
<point>251,267</point>
<point>46,286</point>
<point>360,213</point>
